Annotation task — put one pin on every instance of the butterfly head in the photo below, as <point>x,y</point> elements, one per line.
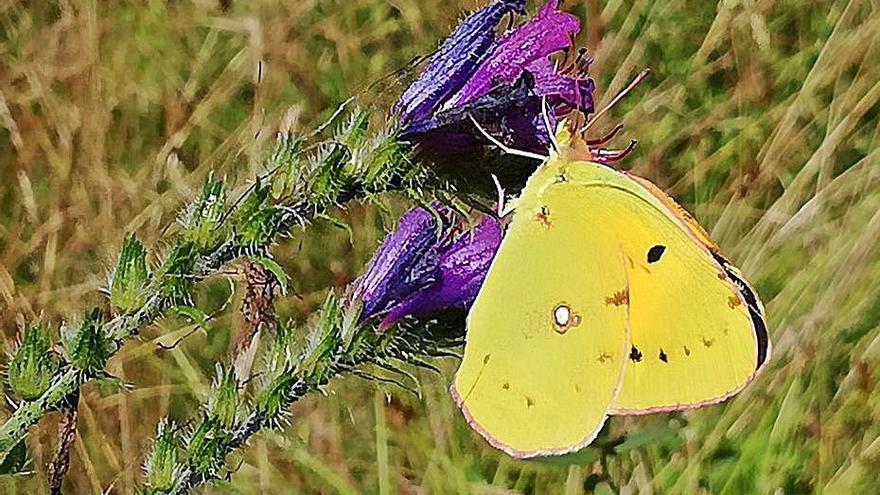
<point>572,143</point>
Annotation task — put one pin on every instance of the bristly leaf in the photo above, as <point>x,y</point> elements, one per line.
<point>205,449</point>
<point>174,276</point>
<point>33,364</point>
<point>224,409</point>
<point>87,346</point>
<point>128,288</point>
<point>162,467</point>
<point>203,219</point>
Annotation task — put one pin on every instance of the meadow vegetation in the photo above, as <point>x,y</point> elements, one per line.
<point>761,117</point>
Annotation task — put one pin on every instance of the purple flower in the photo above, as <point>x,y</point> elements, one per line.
<point>456,60</point>
<point>423,267</point>
<point>499,81</point>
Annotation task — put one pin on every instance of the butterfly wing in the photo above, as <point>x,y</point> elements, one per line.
<point>697,329</point>
<point>544,352</point>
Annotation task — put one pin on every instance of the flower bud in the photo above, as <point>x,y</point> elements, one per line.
<point>202,221</point>
<point>88,346</point>
<point>128,287</point>
<point>162,467</point>
<point>33,365</point>
<point>224,408</point>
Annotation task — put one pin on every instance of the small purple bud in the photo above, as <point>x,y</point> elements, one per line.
<point>422,268</point>
<point>525,48</point>
<point>456,60</point>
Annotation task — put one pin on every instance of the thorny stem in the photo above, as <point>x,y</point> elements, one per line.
<point>336,348</point>
<point>352,164</point>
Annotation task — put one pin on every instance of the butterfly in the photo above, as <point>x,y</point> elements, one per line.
<point>605,298</point>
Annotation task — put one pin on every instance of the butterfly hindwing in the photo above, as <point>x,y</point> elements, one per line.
<point>544,353</point>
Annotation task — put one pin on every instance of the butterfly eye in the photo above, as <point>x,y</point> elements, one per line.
<point>655,253</point>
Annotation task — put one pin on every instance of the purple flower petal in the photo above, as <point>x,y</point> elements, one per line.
<point>463,268</point>
<point>548,32</point>
<point>406,261</point>
<point>420,268</point>
<point>562,88</point>
<point>452,131</point>
<point>456,60</point>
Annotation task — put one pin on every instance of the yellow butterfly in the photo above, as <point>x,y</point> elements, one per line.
<point>606,297</point>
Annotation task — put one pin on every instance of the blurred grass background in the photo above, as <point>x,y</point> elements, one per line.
<point>762,117</point>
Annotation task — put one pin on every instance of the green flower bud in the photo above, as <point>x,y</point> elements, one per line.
<point>87,346</point>
<point>33,365</point>
<point>255,221</point>
<point>175,274</point>
<point>162,467</point>
<point>128,288</point>
<point>205,447</point>
<point>286,158</point>
<point>224,409</point>
<point>203,219</point>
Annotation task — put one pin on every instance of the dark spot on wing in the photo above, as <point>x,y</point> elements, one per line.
<point>635,355</point>
<point>733,302</point>
<point>506,386</point>
<point>709,342</point>
<point>486,358</point>
<point>655,253</point>
<point>687,352</point>
<point>604,357</point>
<point>663,356</point>
<point>529,401</point>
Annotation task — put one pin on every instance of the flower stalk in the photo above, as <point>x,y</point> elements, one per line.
<point>355,162</point>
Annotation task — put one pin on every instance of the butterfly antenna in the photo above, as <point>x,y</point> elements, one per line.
<point>639,78</point>
<point>611,156</point>
<point>504,147</point>
<point>608,137</point>
<point>550,132</point>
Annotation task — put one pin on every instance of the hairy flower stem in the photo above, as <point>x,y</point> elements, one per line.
<point>300,187</point>
<point>336,347</point>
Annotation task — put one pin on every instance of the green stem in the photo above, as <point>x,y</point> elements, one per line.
<point>28,413</point>
<point>324,181</point>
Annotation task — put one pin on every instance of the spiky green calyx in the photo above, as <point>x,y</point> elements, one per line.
<point>33,365</point>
